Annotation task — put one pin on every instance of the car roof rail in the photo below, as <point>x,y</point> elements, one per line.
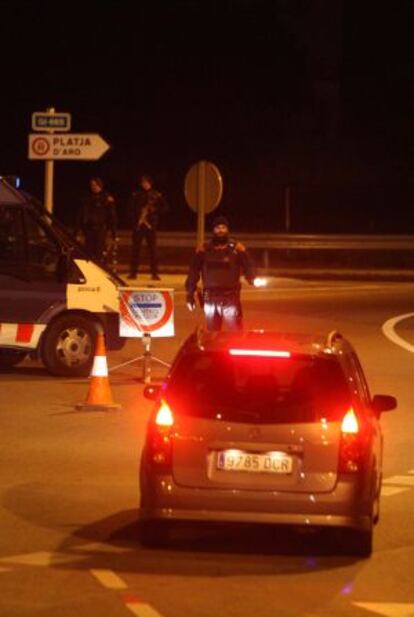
<point>333,337</point>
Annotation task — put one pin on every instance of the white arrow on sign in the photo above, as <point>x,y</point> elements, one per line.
<point>388,609</point>
<point>66,147</point>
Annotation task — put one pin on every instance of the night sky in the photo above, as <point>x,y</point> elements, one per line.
<point>316,95</point>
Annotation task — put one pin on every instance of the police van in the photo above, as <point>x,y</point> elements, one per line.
<point>52,295</point>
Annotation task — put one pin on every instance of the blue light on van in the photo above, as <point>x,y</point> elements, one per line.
<point>13,180</point>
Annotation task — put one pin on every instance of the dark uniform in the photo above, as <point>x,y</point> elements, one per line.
<point>145,207</point>
<point>220,267</point>
<point>97,218</point>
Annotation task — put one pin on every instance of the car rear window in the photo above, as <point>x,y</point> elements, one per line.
<point>259,390</point>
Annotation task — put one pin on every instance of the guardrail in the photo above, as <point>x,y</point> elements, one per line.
<point>284,252</point>
<point>188,239</point>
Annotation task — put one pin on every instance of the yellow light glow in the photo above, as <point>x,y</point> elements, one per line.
<point>350,422</point>
<point>164,415</point>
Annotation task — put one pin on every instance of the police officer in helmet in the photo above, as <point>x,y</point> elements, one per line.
<point>220,263</point>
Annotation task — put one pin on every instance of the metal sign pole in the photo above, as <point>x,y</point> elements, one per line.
<point>146,358</point>
<point>146,341</point>
<point>49,171</point>
<point>287,208</point>
<point>201,210</point>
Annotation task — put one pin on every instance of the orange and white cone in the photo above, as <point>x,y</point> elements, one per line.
<point>99,396</point>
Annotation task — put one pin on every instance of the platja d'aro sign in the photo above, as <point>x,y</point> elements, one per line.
<point>146,311</point>
<point>69,146</point>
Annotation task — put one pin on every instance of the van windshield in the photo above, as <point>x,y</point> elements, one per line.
<point>66,239</point>
<point>259,390</point>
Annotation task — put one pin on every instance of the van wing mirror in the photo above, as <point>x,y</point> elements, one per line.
<point>152,392</point>
<point>383,402</point>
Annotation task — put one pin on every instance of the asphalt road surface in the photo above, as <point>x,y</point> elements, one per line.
<point>69,538</point>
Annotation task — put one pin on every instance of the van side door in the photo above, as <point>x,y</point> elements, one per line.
<point>30,257</point>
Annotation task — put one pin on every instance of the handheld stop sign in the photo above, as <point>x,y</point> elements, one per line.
<point>146,311</point>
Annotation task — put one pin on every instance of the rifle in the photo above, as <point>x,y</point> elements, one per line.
<point>143,218</point>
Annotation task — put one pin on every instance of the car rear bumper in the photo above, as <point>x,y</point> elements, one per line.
<point>311,520</point>
<point>348,505</point>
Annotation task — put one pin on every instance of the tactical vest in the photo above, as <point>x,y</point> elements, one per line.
<point>221,267</point>
<point>96,210</point>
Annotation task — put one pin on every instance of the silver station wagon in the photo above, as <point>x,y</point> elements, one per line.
<point>264,427</point>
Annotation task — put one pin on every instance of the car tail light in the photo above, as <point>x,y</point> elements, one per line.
<point>350,450</point>
<point>350,424</point>
<point>164,417</point>
<point>159,437</point>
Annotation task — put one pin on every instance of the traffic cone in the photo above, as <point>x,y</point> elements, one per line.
<point>99,396</point>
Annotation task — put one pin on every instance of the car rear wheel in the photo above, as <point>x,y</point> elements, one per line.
<point>11,357</point>
<point>69,345</point>
<point>154,534</point>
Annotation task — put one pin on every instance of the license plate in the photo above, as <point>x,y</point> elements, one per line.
<point>269,462</point>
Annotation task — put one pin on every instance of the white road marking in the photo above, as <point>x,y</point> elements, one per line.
<point>309,289</point>
<point>388,330</point>
<point>140,608</point>
<point>109,579</point>
<point>388,609</point>
<point>143,610</point>
<point>100,547</point>
<point>42,558</point>
<point>389,491</point>
<point>402,480</point>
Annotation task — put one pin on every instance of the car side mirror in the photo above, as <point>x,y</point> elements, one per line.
<point>383,402</point>
<point>152,392</point>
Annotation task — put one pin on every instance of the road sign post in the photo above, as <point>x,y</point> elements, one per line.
<point>49,176</point>
<point>201,171</point>
<point>287,208</point>
<point>50,121</point>
<point>203,189</point>
<point>49,169</point>
<point>50,145</point>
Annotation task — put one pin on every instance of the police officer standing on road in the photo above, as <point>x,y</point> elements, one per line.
<point>97,216</point>
<point>220,263</point>
<point>145,205</point>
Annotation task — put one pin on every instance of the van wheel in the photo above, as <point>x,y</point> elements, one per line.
<point>69,345</point>
<point>11,357</point>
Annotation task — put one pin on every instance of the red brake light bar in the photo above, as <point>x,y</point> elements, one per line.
<point>265,353</point>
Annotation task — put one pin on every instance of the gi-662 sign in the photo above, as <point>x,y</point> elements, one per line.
<point>51,121</point>
<point>68,146</point>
